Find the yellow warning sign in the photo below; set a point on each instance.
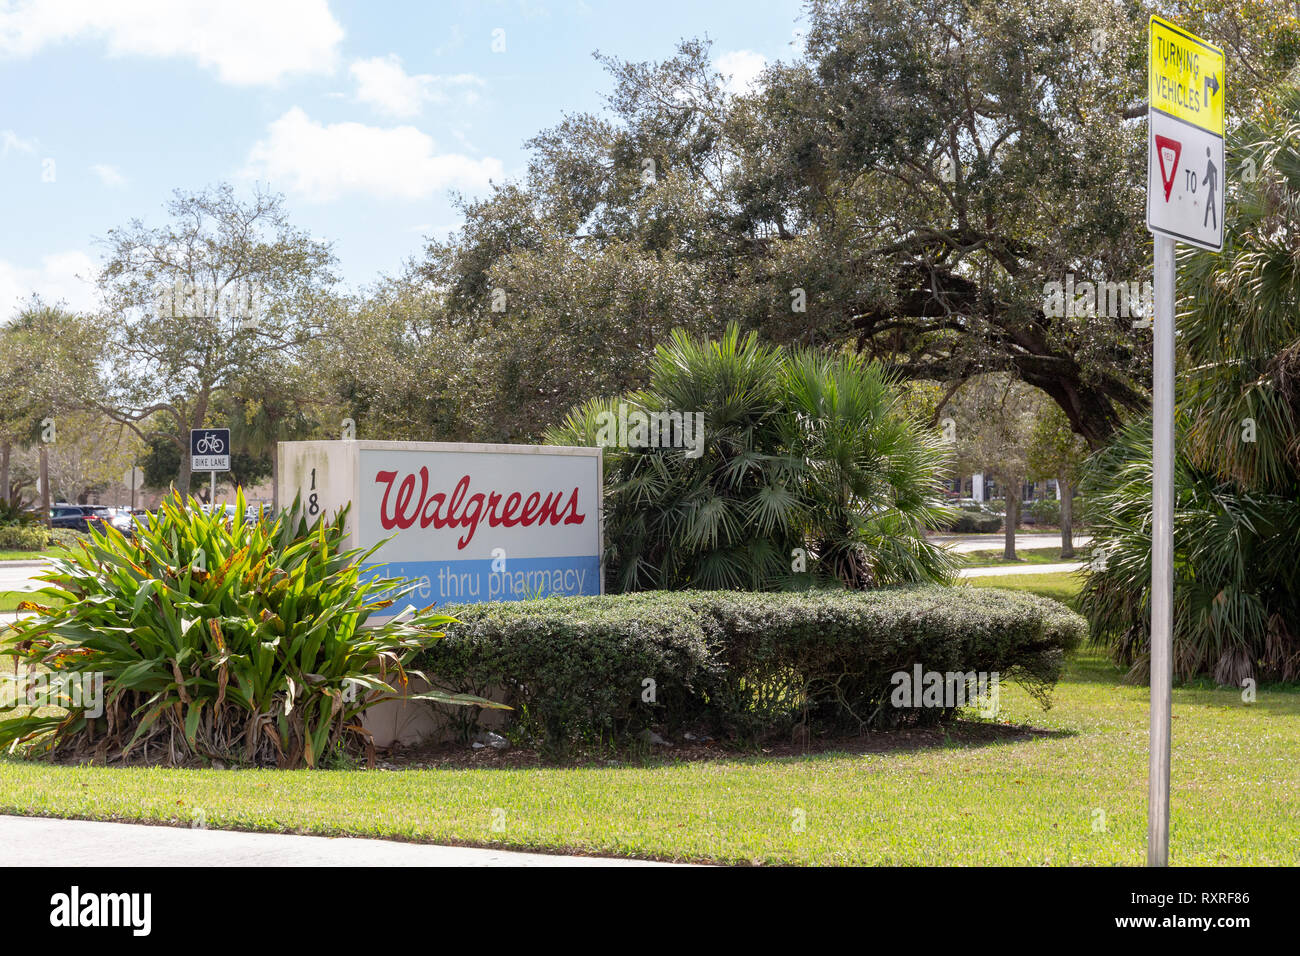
(1187, 79)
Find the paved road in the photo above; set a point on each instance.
(966, 543)
(39, 841)
(1004, 569)
(17, 575)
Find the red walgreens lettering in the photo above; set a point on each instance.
(465, 510)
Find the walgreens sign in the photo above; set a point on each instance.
(469, 522)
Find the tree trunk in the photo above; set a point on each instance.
(1067, 518)
(45, 484)
(275, 474)
(1012, 519)
(5, 449)
(183, 476)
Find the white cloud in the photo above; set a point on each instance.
(247, 42)
(67, 277)
(384, 84)
(322, 162)
(740, 70)
(9, 140)
(110, 176)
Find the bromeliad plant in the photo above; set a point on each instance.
(215, 639)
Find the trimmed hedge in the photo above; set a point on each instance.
(973, 519)
(745, 663)
(35, 537)
(23, 537)
(1047, 511)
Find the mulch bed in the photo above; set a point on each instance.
(957, 734)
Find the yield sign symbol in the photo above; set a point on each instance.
(1168, 150)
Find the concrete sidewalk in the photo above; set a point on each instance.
(19, 575)
(1005, 569)
(966, 543)
(41, 841)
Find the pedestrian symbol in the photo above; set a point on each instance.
(1212, 180)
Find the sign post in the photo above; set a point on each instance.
(210, 452)
(133, 477)
(1185, 203)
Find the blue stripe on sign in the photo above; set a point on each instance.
(474, 581)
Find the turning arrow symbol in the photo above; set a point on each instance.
(1211, 85)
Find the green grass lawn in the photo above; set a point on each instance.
(1075, 794)
(9, 600)
(993, 558)
(1061, 586)
(32, 555)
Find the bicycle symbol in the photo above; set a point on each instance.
(210, 444)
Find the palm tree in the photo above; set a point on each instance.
(872, 477)
(806, 470)
(1237, 583)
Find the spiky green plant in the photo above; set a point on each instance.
(13, 513)
(214, 639)
(1236, 581)
(1237, 519)
(802, 454)
(871, 477)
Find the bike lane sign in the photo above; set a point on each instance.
(210, 449)
(1185, 169)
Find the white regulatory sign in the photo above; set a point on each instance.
(1185, 196)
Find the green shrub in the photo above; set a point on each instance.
(30, 536)
(239, 642)
(574, 668)
(11, 512)
(1043, 512)
(798, 455)
(747, 663)
(1047, 512)
(23, 537)
(1236, 580)
(64, 538)
(973, 519)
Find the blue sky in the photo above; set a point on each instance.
(365, 115)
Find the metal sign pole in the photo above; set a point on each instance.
(1162, 552)
(212, 491)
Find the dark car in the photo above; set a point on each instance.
(67, 516)
(78, 517)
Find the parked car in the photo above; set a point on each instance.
(97, 513)
(121, 519)
(68, 516)
(78, 517)
(142, 518)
